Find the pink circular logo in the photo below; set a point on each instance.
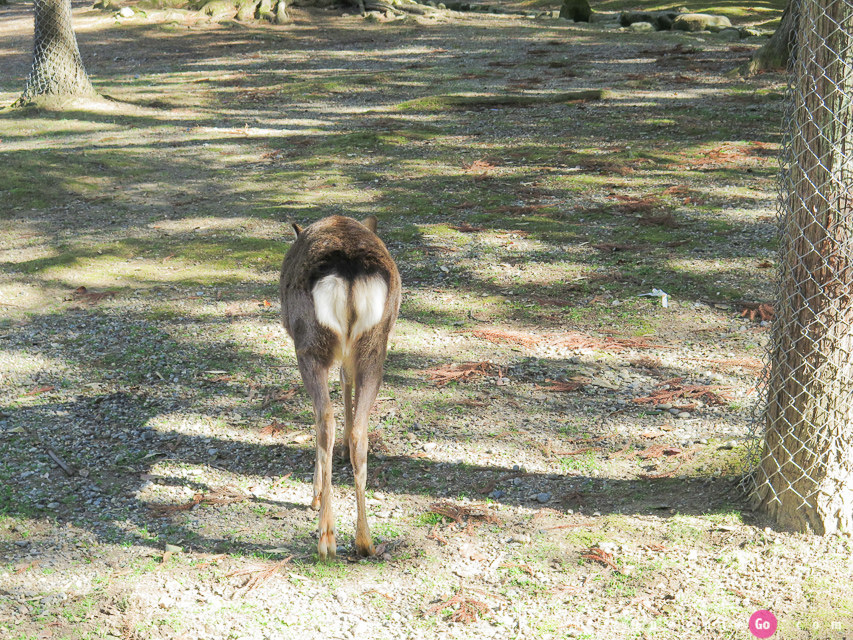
(762, 624)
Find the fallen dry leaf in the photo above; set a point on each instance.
(713, 394)
(563, 387)
(468, 610)
(457, 372)
(762, 312)
(467, 228)
(597, 554)
(39, 390)
(82, 294)
(502, 336)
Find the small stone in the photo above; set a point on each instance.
(748, 32)
(730, 34)
(497, 494)
(683, 414)
(172, 548)
(642, 27)
(664, 407)
(543, 497)
(700, 22)
(126, 12)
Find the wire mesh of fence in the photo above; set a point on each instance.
(57, 67)
(802, 456)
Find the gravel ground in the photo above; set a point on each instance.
(580, 482)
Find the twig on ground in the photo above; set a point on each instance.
(225, 495)
(62, 464)
(576, 452)
(435, 535)
(257, 574)
(458, 512)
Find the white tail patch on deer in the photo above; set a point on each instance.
(332, 302)
(368, 301)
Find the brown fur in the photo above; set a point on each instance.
(349, 249)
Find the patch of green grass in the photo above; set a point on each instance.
(430, 519)
(730, 516)
(385, 530)
(684, 530)
(584, 538)
(586, 462)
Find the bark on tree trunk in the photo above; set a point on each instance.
(805, 478)
(777, 52)
(57, 66)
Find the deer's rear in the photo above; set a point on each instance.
(340, 294)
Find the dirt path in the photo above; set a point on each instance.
(577, 482)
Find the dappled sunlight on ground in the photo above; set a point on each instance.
(528, 375)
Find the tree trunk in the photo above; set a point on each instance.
(805, 477)
(57, 67)
(776, 53)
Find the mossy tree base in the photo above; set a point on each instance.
(776, 53)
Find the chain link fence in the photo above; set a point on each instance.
(802, 456)
(57, 67)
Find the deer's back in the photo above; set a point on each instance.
(335, 245)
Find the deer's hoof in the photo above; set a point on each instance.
(327, 549)
(365, 549)
(315, 503)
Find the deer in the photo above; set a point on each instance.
(340, 296)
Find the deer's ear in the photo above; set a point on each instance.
(296, 228)
(370, 222)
